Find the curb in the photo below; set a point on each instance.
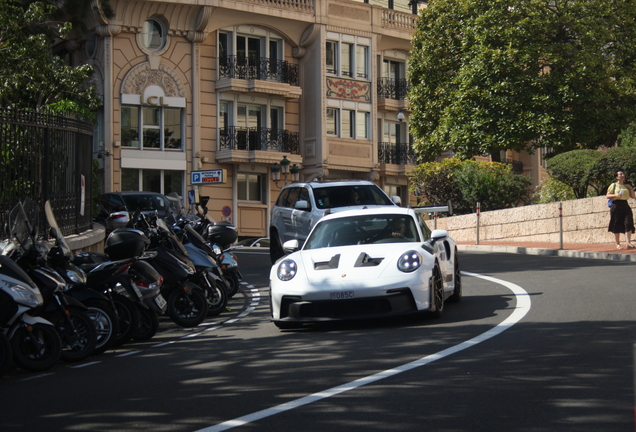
(549, 252)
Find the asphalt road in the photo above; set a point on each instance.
(537, 344)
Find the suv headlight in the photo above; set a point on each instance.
(409, 261)
(287, 270)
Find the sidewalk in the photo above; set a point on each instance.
(572, 250)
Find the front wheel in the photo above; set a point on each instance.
(36, 348)
(216, 298)
(106, 323)
(77, 333)
(128, 318)
(437, 292)
(148, 324)
(457, 279)
(6, 354)
(275, 248)
(232, 278)
(187, 305)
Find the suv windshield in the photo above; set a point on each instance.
(342, 196)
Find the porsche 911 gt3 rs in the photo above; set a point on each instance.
(365, 263)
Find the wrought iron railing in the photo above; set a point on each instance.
(393, 88)
(265, 69)
(258, 138)
(396, 153)
(47, 157)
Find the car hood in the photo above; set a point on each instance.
(336, 264)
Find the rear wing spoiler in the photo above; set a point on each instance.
(448, 208)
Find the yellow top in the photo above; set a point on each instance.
(618, 188)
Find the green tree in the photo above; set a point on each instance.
(466, 183)
(31, 77)
(491, 75)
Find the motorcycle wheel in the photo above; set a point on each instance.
(78, 339)
(128, 319)
(216, 298)
(148, 324)
(232, 278)
(38, 349)
(106, 323)
(187, 305)
(6, 354)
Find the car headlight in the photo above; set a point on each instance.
(287, 270)
(409, 261)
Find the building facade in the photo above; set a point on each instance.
(208, 96)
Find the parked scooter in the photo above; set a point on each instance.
(132, 284)
(99, 308)
(187, 305)
(74, 326)
(35, 344)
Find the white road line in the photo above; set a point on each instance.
(128, 353)
(85, 364)
(37, 376)
(522, 308)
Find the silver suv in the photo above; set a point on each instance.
(300, 205)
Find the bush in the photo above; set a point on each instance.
(552, 190)
(586, 170)
(465, 183)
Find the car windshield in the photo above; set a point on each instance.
(367, 229)
(145, 203)
(342, 196)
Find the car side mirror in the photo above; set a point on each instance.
(302, 205)
(437, 235)
(291, 246)
(397, 200)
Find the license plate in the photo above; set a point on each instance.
(161, 302)
(342, 295)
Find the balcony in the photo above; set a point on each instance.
(263, 76)
(396, 158)
(392, 93)
(257, 145)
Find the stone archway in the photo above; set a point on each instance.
(142, 76)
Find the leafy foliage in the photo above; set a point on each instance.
(466, 183)
(552, 190)
(585, 170)
(30, 76)
(491, 75)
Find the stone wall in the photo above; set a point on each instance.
(584, 221)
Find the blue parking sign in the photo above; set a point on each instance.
(191, 198)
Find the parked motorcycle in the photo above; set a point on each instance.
(35, 344)
(133, 286)
(187, 305)
(98, 306)
(74, 326)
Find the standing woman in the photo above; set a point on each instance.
(621, 217)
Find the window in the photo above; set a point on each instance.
(161, 127)
(331, 48)
(332, 121)
(348, 123)
(347, 59)
(150, 180)
(153, 35)
(258, 55)
(249, 187)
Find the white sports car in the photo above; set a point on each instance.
(365, 263)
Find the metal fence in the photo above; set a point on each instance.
(47, 157)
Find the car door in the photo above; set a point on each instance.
(302, 220)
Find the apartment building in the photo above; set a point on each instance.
(209, 96)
